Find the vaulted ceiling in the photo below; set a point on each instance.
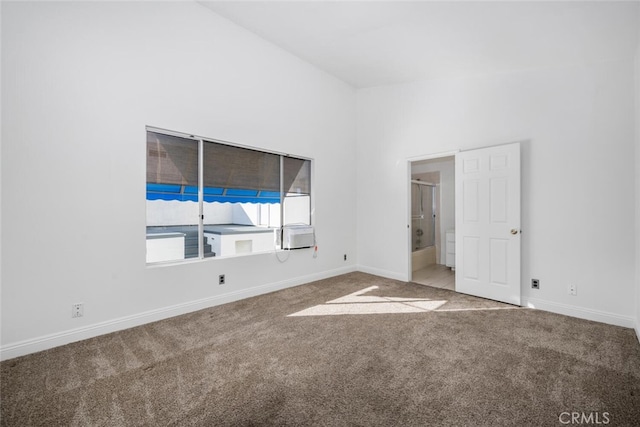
(372, 43)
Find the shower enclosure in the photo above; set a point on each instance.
(423, 215)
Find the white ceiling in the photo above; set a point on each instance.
(371, 43)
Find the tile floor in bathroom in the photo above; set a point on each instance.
(435, 275)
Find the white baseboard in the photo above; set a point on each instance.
(382, 273)
(638, 331)
(22, 348)
(581, 313)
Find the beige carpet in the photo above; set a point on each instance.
(421, 356)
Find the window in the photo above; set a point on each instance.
(207, 198)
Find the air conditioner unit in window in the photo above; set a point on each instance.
(298, 237)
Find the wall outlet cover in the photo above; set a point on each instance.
(77, 310)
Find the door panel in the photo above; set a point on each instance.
(488, 222)
(498, 200)
(471, 267)
(471, 203)
(499, 261)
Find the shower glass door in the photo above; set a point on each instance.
(423, 218)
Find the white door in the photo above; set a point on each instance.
(488, 223)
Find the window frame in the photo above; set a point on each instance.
(278, 245)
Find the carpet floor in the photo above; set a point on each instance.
(354, 350)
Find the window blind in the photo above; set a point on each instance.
(171, 160)
(174, 160)
(226, 166)
(297, 175)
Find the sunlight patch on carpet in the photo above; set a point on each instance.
(356, 303)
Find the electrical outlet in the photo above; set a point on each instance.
(535, 284)
(345, 257)
(573, 289)
(221, 279)
(77, 310)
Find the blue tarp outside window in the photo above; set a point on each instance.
(211, 194)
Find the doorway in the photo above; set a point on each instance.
(432, 184)
(481, 243)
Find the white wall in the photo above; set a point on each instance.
(80, 81)
(637, 193)
(174, 212)
(577, 124)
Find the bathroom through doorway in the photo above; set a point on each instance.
(432, 193)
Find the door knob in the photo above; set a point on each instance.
(514, 231)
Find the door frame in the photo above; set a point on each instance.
(438, 155)
(411, 160)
